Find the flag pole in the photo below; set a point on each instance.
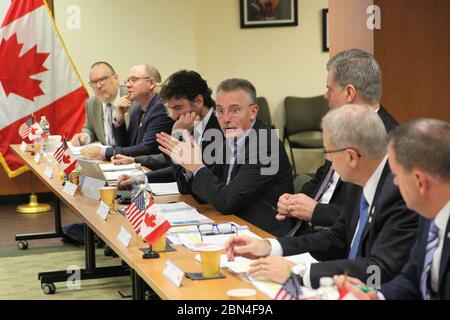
(33, 205)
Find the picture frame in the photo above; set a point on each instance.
(268, 13)
(325, 33)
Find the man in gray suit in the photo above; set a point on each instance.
(100, 108)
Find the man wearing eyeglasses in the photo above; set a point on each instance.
(354, 76)
(145, 121)
(100, 108)
(188, 100)
(374, 232)
(238, 180)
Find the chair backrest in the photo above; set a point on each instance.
(300, 180)
(304, 114)
(264, 111)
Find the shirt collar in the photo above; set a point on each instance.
(113, 102)
(241, 139)
(201, 125)
(441, 219)
(371, 185)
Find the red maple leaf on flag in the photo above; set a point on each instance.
(150, 220)
(16, 72)
(66, 159)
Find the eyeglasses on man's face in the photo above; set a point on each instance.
(99, 82)
(232, 111)
(211, 229)
(133, 80)
(327, 152)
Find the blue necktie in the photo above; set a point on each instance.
(432, 244)
(363, 211)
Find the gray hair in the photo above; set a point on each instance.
(360, 69)
(238, 84)
(152, 72)
(358, 127)
(423, 143)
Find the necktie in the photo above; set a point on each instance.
(432, 244)
(108, 127)
(138, 126)
(323, 187)
(363, 211)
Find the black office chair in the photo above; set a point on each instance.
(302, 129)
(264, 111)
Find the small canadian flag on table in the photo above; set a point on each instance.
(65, 158)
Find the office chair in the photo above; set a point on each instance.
(302, 129)
(264, 111)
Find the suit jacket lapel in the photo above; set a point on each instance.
(445, 253)
(373, 207)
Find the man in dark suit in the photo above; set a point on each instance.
(249, 169)
(419, 153)
(354, 77)
(187, 97)
(375, 229)
(145, 121)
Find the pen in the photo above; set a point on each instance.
(364, 288)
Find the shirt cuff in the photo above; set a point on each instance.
(187, 175)
(306, 278)
(103, 151)
(195, 172)
(88, 138)
(276, 249)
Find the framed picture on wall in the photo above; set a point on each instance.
(325, 34)
(268, 13)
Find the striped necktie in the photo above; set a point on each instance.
(363, 212)
(432, 244)
(323, 187)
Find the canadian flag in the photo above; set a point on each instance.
(36, 132)
(153, 225)
(36, 77)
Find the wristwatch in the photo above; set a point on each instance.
(299, 270)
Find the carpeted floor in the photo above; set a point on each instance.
(18, 276)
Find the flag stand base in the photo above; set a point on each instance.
(33, 206)
(150, 254)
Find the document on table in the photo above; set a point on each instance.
(114, 175)
(180, 213)
(242, 266)
(162, 189)
(116, 167)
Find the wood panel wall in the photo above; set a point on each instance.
(413, 49)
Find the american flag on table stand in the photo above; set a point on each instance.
(291, 289)
(25, 128)
(135, 211)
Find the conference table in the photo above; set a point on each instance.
(143, 272)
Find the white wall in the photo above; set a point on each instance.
(125, 33)
(203, 35)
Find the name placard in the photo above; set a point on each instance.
(23, 146)
(173, 273)
(70, 188)
(103, 210)
(37, 157)
(48, 172)
(124, 237)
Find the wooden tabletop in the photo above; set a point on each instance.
(149, 270)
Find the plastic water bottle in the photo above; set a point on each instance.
(139, 183)
(327, 289)
(45, 125)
